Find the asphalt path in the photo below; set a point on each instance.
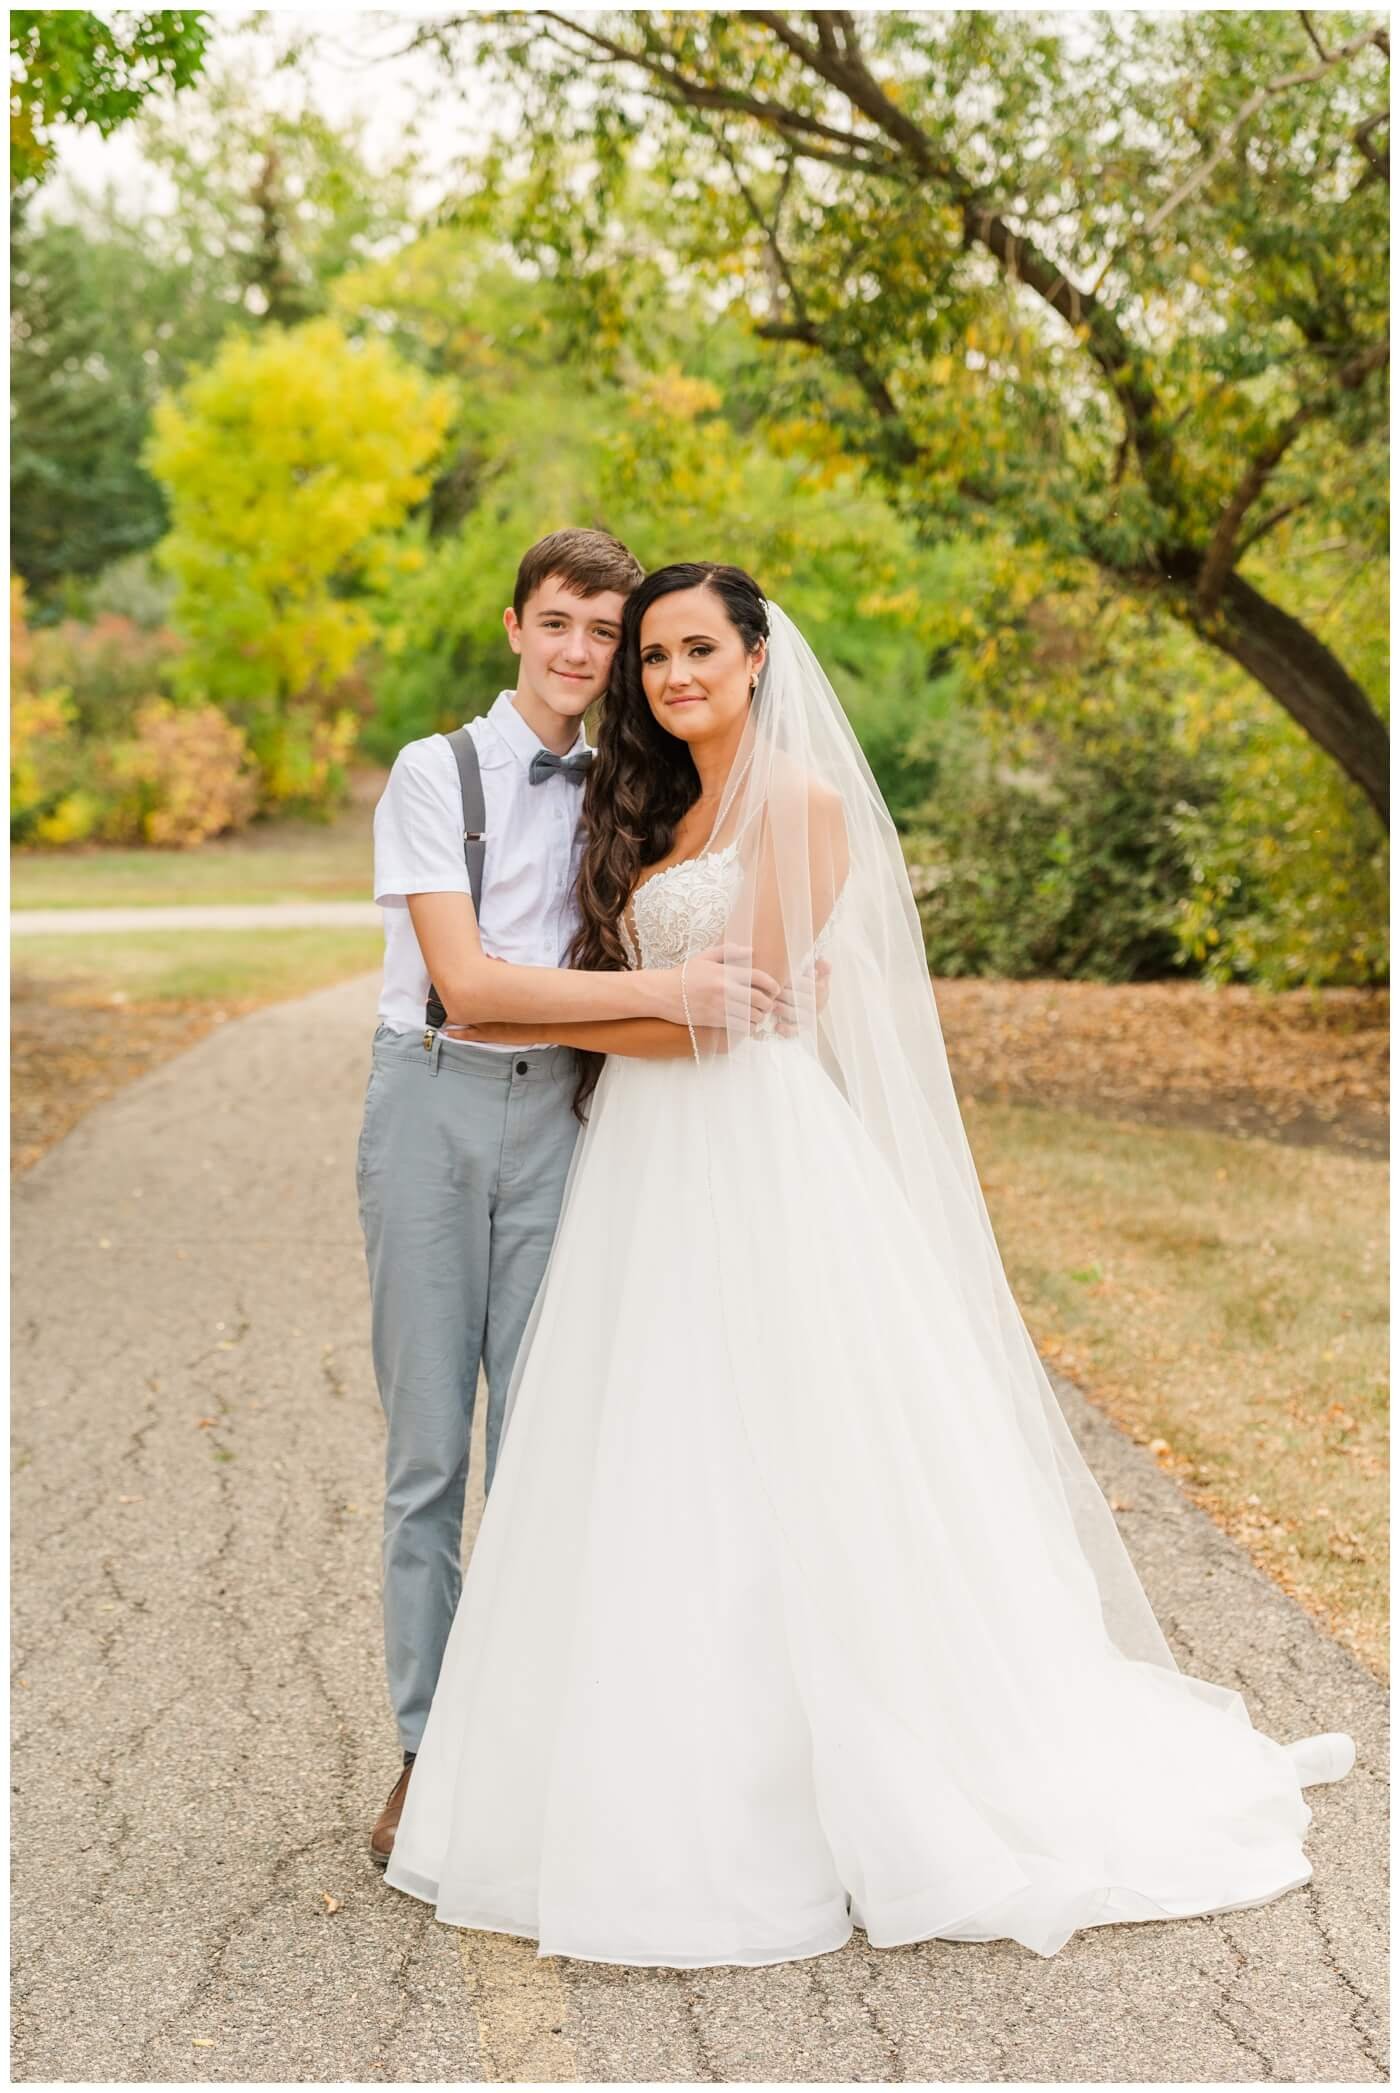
(202, 1736)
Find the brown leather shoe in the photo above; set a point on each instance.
(381, 1839)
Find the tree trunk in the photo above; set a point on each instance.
(1295, 668)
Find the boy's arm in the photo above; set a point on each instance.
(475, 990)
(637, 1038)
(418, 863)
(649, 1039)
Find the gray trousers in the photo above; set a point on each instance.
(461, 1167)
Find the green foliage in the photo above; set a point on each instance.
(290, 466)
(951, 496)
(1038, 856)
(113, 302)
(131, 588)
(1289, 873)
(79, 405)
(1244, 848)
(271, 205)
(1120, 296)
(71, 67)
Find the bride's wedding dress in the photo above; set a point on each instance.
(772, 1628)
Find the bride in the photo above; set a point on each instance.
(794, 1606)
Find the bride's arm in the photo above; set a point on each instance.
(801, 864)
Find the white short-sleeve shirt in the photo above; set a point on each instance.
(528, 913)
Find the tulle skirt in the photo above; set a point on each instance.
(775, 1623)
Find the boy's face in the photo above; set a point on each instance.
(566, 644)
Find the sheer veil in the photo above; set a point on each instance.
(820, 872)
(808, 858)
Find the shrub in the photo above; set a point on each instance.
(1289, 868)
(47, 802)
(109, 668)
(303, 757)
(184, 777)
(1043, 857)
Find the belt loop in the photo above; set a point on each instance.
(434, 1050)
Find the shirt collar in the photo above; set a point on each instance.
(519, 737)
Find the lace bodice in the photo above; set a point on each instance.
(682, 910)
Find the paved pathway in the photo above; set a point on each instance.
(202, 1737)
(260, 915)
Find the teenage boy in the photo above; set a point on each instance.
(465, 1146)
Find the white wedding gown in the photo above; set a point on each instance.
(760, 1637)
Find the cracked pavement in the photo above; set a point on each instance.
(202, 1736)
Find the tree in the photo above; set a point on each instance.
(68, 66)
(289, 466)
(1125, 296)
(78, 414)
(111, 304)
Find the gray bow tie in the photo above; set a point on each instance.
(572, 767)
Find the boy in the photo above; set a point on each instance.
(465, 1146)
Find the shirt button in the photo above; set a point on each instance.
(522, 1068)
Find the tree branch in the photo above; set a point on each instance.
(1379, 161)
(1271, 89)
(780, 276)
(681, 90)
(1222, 552)
(1261, 530)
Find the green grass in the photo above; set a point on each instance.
(214, 966)
(272, 861)
(1225, 1301)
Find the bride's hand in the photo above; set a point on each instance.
(722, 989)
(803, 1002)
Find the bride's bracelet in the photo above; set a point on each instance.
(685, 1006)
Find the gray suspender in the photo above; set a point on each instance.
(463, 747)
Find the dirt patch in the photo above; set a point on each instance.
(1308, 1067)
(70, 1049)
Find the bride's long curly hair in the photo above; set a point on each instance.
(641, 780)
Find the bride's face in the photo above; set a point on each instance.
(696, 671)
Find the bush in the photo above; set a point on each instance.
(184, 777)
(304, 757)
(135, 588)
(47, 803)
(108, 668)
(1289, 867)
(1043, 857)
(178, 775)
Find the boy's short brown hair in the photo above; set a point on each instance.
(589, 561)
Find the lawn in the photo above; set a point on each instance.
(272, 861)
(1225, 1301)
(226, 967)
